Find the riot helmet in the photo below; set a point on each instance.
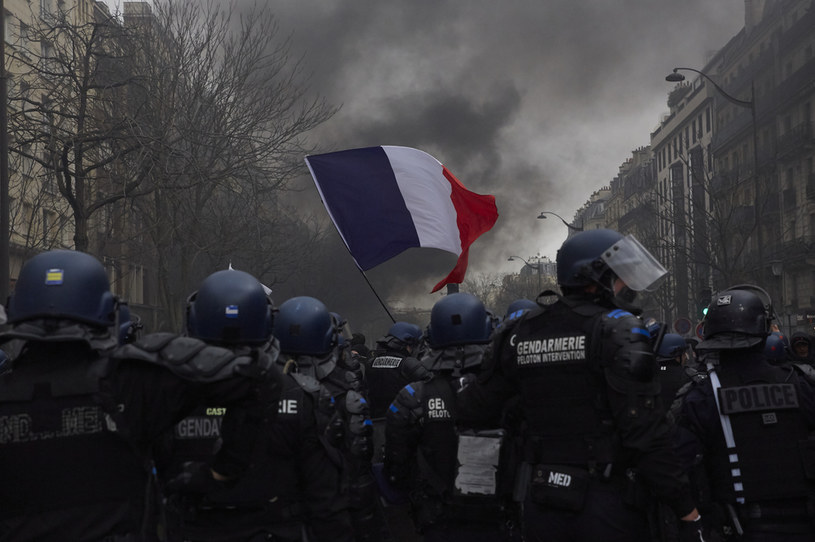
(66, 285)
(459, 319)
(775, 348)
(405, 332)
(230, 308)
(305, 326)
(801, 345)
(598, 256)
(671, 346)
(736, 318)
(520, 305)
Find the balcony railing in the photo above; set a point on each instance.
(795, 140)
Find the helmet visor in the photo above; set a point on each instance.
(634, 264)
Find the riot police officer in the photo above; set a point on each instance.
(393, 365)
(293, 485)
(80, 414)
(515, 308)
(743, 418)
(309, 344)
(448, 470)
(671, 356)
(597, 445)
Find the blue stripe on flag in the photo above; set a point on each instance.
(360, 190)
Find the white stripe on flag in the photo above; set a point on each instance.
(427, 196)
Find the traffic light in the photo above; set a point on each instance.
(703, 301)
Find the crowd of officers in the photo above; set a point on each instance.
(570, 418)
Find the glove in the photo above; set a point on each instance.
(693, 531)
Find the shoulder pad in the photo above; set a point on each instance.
(626, 326)
(805, 370)
(410, 395)
(306, 382)
(411, 369)
(407, 405)
(355, 403)
(189, 358)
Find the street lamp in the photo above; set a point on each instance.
(676, 77)
(5, 227)
(574, 228)
(536, 266)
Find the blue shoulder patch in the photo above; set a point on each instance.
(641, 331)
(516, 314)
(618, 313)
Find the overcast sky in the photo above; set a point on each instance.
(537, 102)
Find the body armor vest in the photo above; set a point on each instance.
(437, 447)
(384, 381)
(768, 428)
(560, 381)
(55, 420)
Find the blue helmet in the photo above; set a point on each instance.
(672, 345)
(408, 333)
(579, 260)
(520, 305)
(597, 256)
(775, 347)
(63, 284)
(230, 308)
(459, 319)
(305, 326)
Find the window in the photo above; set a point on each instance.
(47, 224)
(47, 55)
(707, 119)
(25, 32)
(10, 87)
(46, 8)
(709, 159)
(7, 18)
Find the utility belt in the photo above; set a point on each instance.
(431, 508)
(802, 509)
(565, 486)
(275, 511)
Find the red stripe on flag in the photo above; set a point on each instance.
(475, 215)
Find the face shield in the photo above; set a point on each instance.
(634, 265)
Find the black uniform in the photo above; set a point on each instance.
(758, 458)
(450, 499)
(596, 437)
(389, 370)
(349, 431)
(77, 423)
(672, 376)
(292, 487)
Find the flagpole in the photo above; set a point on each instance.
(371, 286)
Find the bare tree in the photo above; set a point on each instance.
(224, 109)
(170, 136)
(708, 228)
(68, 113)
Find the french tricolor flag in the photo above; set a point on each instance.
(384, 200)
